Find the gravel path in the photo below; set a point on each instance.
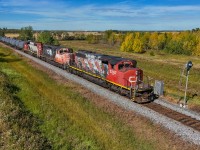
(179, 129)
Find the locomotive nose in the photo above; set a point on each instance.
(133, 76)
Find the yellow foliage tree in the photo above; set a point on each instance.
(161, 41)
(197, 49)
(127, 45)
(138, 46)
(153, 41)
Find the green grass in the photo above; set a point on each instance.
(160, 66)
(19, 128)
(67, 119)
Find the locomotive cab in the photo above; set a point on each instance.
(26, 47)
(124, 72)
(64, 55)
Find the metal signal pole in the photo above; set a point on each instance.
(188, 66)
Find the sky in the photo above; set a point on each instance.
(100, 15)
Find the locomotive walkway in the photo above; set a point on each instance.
(181, 129)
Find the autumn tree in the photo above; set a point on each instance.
(186, 42)
(127, 45)
(107, 35)
(93, 39)
(197, 49)
(153, 41)
(145, 40)
(112, 39)
(162, 38)
(138, 45)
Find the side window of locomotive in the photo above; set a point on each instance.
(112, 66)
(127, 65)
(61, 51)
(70, 50)
(120, 66)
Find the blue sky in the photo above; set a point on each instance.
(100, 14)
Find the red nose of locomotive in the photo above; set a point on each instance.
(133, 76)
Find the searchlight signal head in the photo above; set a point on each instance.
(189, 65)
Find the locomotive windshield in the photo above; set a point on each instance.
(125, 65)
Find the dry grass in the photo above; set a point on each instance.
(12, 35)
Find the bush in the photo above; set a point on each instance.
(152, 53)
(176, 47)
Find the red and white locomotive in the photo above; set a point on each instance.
(117, 73)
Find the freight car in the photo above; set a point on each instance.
(116, 73)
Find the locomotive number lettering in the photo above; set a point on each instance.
(113, 72)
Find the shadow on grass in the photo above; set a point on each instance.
(4, 55)
(8, 60)
(22, 120)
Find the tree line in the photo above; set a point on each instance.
(179, 42)
(185, 42)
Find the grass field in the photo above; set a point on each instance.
(40, 110)
(159, 66)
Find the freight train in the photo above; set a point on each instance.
(118, 74)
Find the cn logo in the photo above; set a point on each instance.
(49, 52)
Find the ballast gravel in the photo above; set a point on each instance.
(177, 108)
(186, 133)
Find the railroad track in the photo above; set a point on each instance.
(182, 118)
